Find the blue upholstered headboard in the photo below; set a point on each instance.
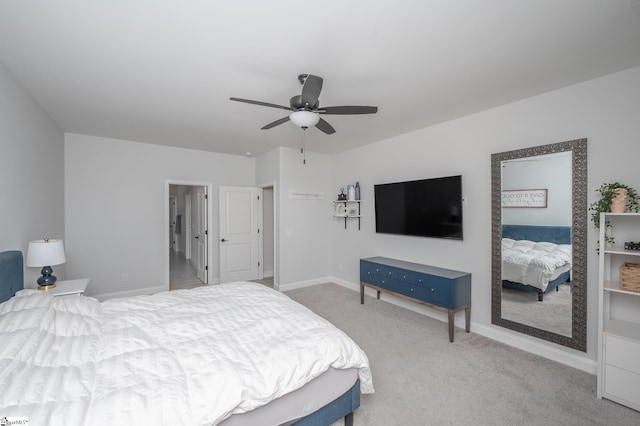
(11, 274)
(552, 234)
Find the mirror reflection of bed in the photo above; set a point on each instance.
(536, 273)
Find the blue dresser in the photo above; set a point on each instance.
(439, 288)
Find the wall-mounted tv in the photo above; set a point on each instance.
(424, 208)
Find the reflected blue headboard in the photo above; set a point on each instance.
(11, 274)
(552, 234)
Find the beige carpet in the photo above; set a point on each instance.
(422, 379)
(552, 314)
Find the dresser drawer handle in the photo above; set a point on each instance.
(411, 289)
(420, 280)
(389, 273)
(432, 290)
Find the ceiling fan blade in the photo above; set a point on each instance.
(311, 90)
(276, 123)
(325, 127)
(347, 110)
(267, 104)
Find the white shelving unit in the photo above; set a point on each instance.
(349, 206)
(618, 315)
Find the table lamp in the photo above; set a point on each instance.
(45, 253)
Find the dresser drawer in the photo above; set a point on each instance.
(408, 277)
(413, 291)
(622, 353)
(440, 292)
(367, 269)
(382, 281)
(412, 277)
(621, 384)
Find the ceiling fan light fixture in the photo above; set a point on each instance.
(304, 118)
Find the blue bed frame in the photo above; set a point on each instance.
(12, 281)
(552, 234)
(343, 406)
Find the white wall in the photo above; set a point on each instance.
(302, 229)
(551, 172)
(115, 204)
(604, 110)
(31, 173)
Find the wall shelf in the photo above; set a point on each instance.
(351, 209)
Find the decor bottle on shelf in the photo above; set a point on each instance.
(351, 192)
(357, 190)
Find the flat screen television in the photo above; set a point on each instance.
(424, 208)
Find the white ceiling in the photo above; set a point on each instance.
(162, 71)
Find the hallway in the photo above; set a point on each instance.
(182, 274)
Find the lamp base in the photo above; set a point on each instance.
(47, 281)
(46, 287)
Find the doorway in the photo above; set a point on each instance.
(188, 237)
(268, 242)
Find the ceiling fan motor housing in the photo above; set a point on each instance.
(296, 102)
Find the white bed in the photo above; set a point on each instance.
(188, 357)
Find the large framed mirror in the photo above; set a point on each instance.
(539, 242)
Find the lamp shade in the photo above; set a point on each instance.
(45, 253)
(304, 118)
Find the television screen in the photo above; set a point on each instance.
(425, 208)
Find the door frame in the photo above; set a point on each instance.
(187, 225)
(209, 186)
(272, 185)
(173, 214)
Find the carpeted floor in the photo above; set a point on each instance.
(422, 379)
(552, 314)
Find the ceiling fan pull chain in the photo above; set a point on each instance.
(302, 151)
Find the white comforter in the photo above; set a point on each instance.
(188, 357)
(534, 264)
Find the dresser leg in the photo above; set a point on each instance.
(467, 319)
(361, 294)
(450, 325)
(378, 294)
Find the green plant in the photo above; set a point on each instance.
(607, 192)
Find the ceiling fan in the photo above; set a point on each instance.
(306, 108)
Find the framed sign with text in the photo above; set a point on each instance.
(536, 198)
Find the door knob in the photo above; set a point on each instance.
(223, 240)
(195, 236)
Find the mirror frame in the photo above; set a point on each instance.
(578, 147)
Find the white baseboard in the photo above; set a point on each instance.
(302, 284)
(267, 274)
(136, 292)
(502, 335)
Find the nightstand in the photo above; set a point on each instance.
(69, 288)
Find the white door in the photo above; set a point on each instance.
(201, 235)
(238, 234)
